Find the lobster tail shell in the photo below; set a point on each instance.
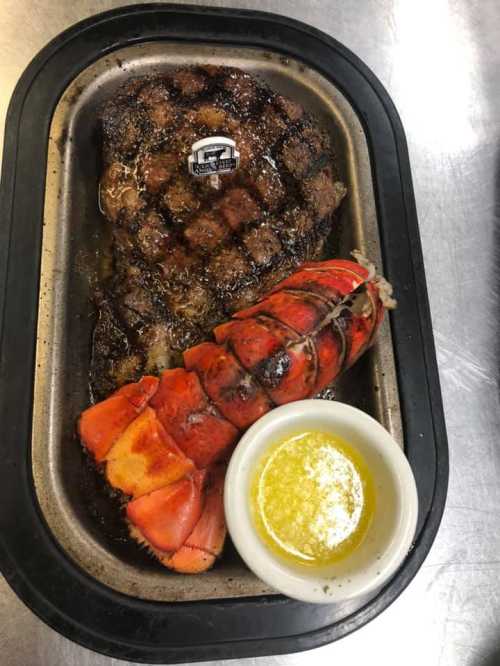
(330, 350)
(186, 413)
(282, 362)
(145, 458)
(206, 541)
(301, 311)
(101, 425)
(166, 517)
(232, 389)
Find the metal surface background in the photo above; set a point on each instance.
(439, 60)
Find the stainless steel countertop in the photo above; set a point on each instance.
(439, 61)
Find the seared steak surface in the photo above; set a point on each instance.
(186, 251)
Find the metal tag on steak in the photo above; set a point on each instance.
(213, 155)
(185, 254)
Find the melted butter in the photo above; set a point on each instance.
(312, 498)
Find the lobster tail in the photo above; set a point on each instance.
(162, 442)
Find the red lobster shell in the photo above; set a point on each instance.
(163, 442)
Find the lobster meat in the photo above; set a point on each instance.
(164, 442)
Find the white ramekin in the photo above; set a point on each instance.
(390, 535)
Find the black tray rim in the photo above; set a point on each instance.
(42, 576)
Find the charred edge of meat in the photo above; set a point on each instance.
(113, 360)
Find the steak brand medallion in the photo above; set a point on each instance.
(213, 155)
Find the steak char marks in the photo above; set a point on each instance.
(187, 254)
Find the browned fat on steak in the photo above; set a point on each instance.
(187, 251)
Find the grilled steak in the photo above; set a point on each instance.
(188, 251)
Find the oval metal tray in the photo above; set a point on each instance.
(74, 233)
(57, 553)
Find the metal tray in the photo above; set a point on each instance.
(74, 233)
(62, 548)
